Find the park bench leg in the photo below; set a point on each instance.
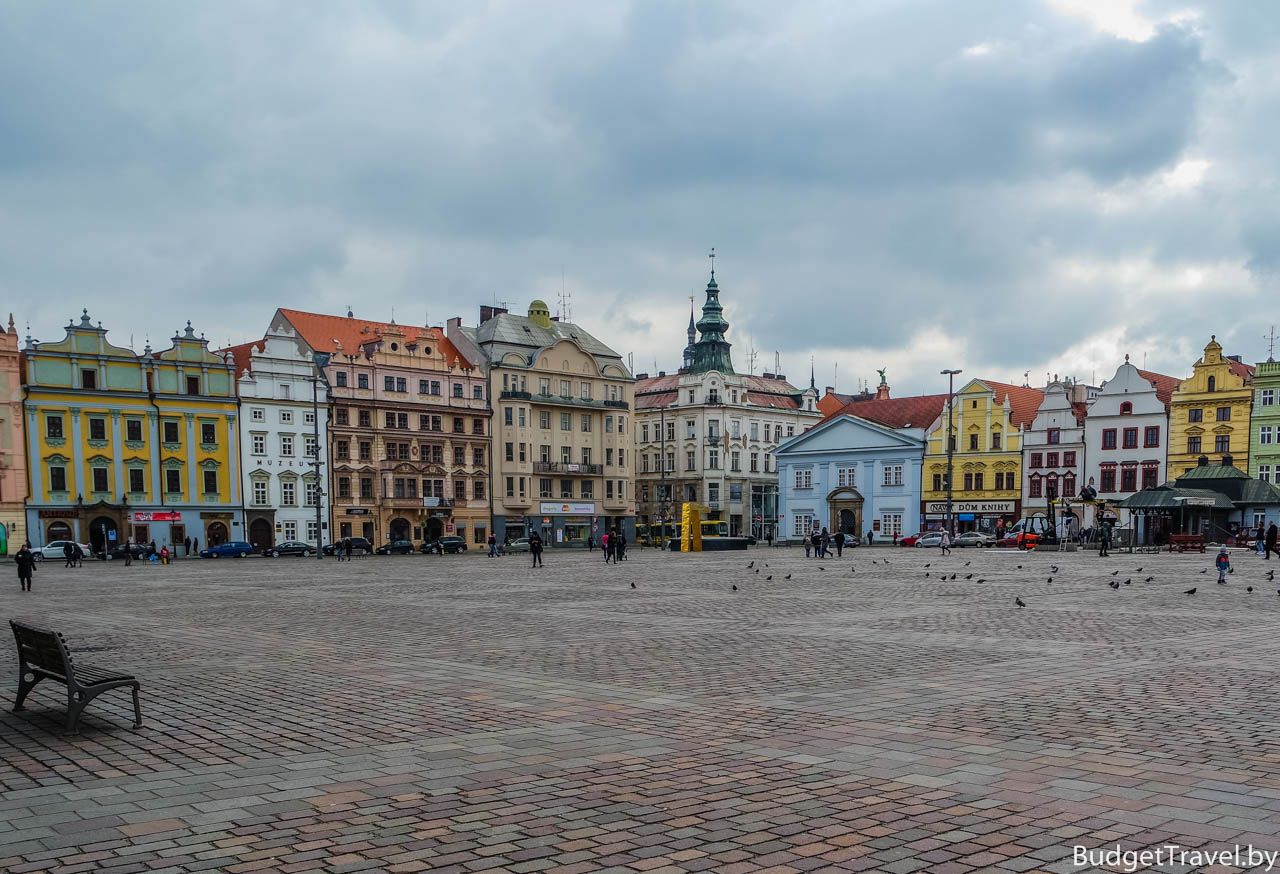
(75, 706)
(137, 708)
(24, 688)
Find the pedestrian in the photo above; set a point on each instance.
(1260, 541)
(1223, 564)
(26, 560)
(591, 543)
(535, 548)
(815, 541)
(128, 552)
(825, 543)
(164, 554)
(946, 542)
(1104, 540)
(78, 556)
(871, 536)
(839, 543)
(606, 542)
(186, 546)
(1270, 541)
(195, 544)
(151, 549)
(620, 547)
(805, 540)
(768, 538)
(69, 553)
(493, 545)
(350, 548)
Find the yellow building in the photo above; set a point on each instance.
(121, 445)
(988, 421)
(1209, 413)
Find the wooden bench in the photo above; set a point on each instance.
(1183, 542)
(42, 654)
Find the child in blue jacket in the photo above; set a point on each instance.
(1223, 564)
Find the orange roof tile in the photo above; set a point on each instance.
(919, 411)
(339, 334)
(1024, 401)
(242, 355)
(1164, 385)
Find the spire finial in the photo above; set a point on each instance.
(712, 256)
(1270, 338)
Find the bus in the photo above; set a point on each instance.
(710, 528)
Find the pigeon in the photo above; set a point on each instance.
(886, 561)
(821, 568)
(926, 575)
(1054, 568)
(1019, 567)
(1018, 601)
(1050, 580)
(1231, 570)
(981, 581)
(1249, 589)
(787, 577)
(633, 585)
(757, 570)
(750, 566)
(1271, 575)
(735, 588)
(1113, 584)
(1148, 579)
(1139, 570)
(1190, 591)
(1204, 570)
(968, 576)
(929, 564)
(967, 563)
(953, 576)
(1115, 573)
(769, 577)
(1128, 581)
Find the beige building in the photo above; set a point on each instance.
(13, 459)
(563, 445)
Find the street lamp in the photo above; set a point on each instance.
(321, 361)
(951, 441)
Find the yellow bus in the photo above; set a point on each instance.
(673, 530)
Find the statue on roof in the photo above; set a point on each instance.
(881, 371)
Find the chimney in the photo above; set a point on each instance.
(831, 389)
(488, 312)
(640, 376)
(882, 392)
(1202, 461)
(1235, 358)
(662, 373)
(1228, 461)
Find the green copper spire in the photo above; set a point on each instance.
(711, 352)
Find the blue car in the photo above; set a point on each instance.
(230, 549)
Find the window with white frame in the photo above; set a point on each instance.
(290, 530)
(312, 493)
(804, 479)
(259, 444)
(260, 493)
(258, 414)
(893, 474)
(1264, 472)
(846, 475)
(891, 524)
(1264, 434)
(802, 524)
(286, 444)
(311, 530)
(1267, 397)
(286, 417)
(288, 493)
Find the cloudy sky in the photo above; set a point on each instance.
(999, 186)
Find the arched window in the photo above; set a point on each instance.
(1213, 383)
(1126, 408)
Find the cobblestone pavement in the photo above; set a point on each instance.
(465, 714)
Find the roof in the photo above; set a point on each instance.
(1240, 369)
(521, 332)
(242, 355)
(1213, 471)
(655, 400)
(343, 334)
(1231, 482)
(1024, 401)
(1164, 385)
(1170, 497)
(919, 411)
(831, 403)
(663, 391)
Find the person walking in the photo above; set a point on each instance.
(591, 543)
(946, 542)
(349, 548)
(871, 536)
(26, 561)
(69, 553)
(128, 552)
(186, 546)
(826, 543)
(807, 546)
(620, 548)
(815, 541)
(1269, 541)
(77, 556)
(535, 548)
(493, 545)
(1104, 540)
(839, 543)
(606, 546)
(1223, 564)
(195, 545)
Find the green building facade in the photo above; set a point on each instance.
(1264, 428)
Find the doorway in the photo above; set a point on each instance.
(215, 534)
(100, 531)
(57, 531)
(399, 529)
(261, 533)
(845, 511)
(435, 528)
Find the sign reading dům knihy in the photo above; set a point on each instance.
(970, 507)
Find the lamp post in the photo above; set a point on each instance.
(951, 442)
(320, 360)
(662, 481)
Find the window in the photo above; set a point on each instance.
(1126, 408)
(1151, 436)
(402, 384)
(459, 456)
(1224, 414)
(713, 459)
(508, 416)
(566, 488)
(588, 490)
(341, 416)
(1267, 397)
(286, 444)
(890, 525)
(133, 430)
(258, 414)
(477, 393)
(608, 456)
(1037, 459)
(1264, 434)
(260, 492)
(893, 474)
(1150, 475)
(1264, 472)
(1222, 443)
(136, 484)
(457, 390)
(477, 489)
(755, 462)
(259, 443)
(88, 378)
(510, 451)
(1195, 414)
(364, 419)
(53, 427)
(388, 383)
(309, 446)
(566, 421)
(735, 461)
(968, 482)
(544, 488)
(995, 440)
(193, 385)
(340, 379)
(937, 482)
(586, 422)
(284, 391)
(459, 490)
(286, 417)
(608, 424)
(584, 390)
(1129, 479)
(477, 456)
(1108, 438)
(544, 420)
(57, 478)
(366, 488)
(1068, 459)
(973, 442)
(362, 380)
(312, 531)
(208, 433)
(459, 427)
(171, 432)
(804, 479)
(1055, 436)
(97, 429)
(173, 481)
(1193, 444)
(1069, 484)
(364, 450)
(288, 493)
(1213, 383)
(1130, 438)
(846, 476)
(1035, 488)
(1108, 480)
(100, 479)
(801, 525)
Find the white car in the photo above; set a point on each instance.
(54, 550)
(933, 539)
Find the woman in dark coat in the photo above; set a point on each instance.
(26, 560)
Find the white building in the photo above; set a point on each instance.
(1126, 433)
(279, 439)
(1053, 449)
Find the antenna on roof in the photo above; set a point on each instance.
(566, 300)
(751, 360)
(350, 315)
(1271, 344)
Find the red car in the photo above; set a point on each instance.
(910, 541)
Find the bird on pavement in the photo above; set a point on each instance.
(769, 577)
(1018, 601)
(1249, 589)
(821, 568)
(926, 575)
(1139, 570)
(1050, 580)
(1190, 591)
(750, 566)
(981, 580)
(968, 576)
(1271, 575)
(1148, 579)
(1128, 581)
(967, 563)
(735, 588)
(1113, 584)
(1019, 567)
(633, 585)
(1115, 573)
(787, 577)
(1204, 570)
(1054, 568)
(929, 564)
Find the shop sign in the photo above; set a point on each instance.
(972, 506)
(142, 516)
(357, 511)
(566, 509)
(57, 514)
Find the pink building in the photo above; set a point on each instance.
(13, 465)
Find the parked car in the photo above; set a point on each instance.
(932, 539)
(230, 549)
(395, 547)
(520, 544)
(53, 549)
(910, 540)
(451, 544)
(975, 538)
(117, 550)
(289, 547)
(359, 546)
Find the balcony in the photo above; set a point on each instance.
(515, 396)
(617, 405)
(583, 403)
(566, 468)
(713, 439)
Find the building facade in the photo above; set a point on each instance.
(121, 445)
(1126, 434)
(988, 423)
(284, 432)
(408, 429)
(1264, 423)
(563, 446)
(13, 457)
(708, 434)
(1053, 449)
(1209, 413)
(853, 474)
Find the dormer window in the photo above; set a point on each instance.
(1126, 408)
(88, 378)
(193, 385)
(1213, 383)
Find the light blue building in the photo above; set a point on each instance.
(858, 470)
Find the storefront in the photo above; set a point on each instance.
(572, 525)
(356, 522)
(991, 517)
